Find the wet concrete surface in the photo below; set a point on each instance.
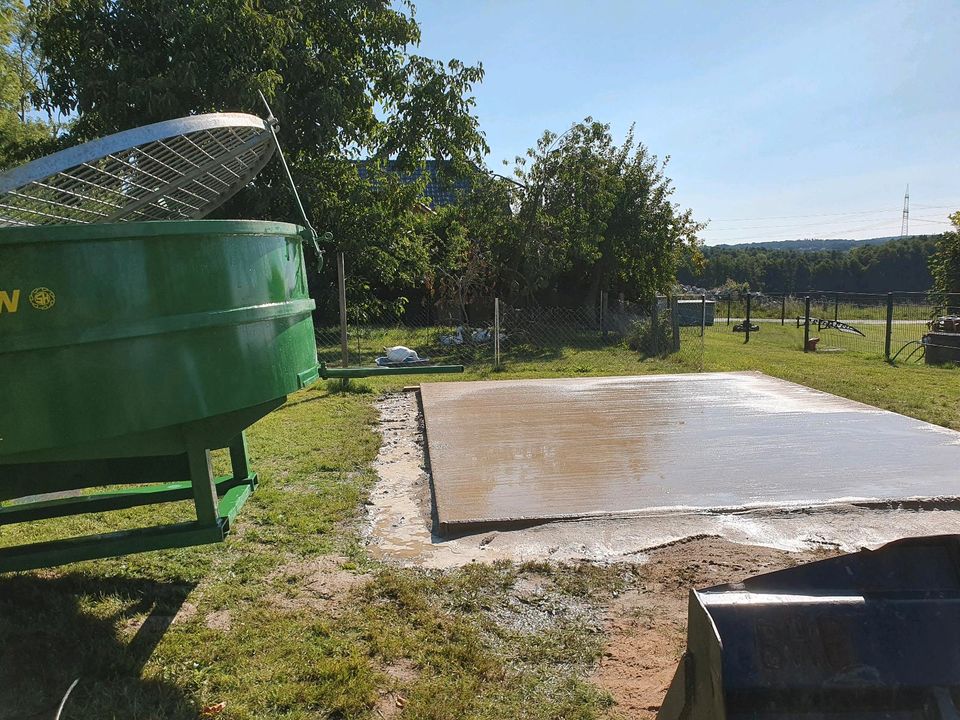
(400, 528)
(505, 453)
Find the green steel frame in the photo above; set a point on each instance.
(216, 501)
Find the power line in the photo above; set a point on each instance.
(807, 236)
(837, 214)
(787, 217)
(795, 225)
(826, 233)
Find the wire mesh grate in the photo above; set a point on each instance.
(175, 170)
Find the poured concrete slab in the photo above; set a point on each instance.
(507, 453)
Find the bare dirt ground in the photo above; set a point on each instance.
(645, 626)
(319, 584)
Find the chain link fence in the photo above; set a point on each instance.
(614, 336)
(611, 335)
(894, 326)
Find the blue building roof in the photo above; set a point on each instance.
(440, 190)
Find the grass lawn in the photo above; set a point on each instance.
(291, 619)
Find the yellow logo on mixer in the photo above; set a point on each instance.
(42, 298)
(9, 301)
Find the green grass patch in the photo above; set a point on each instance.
(146, 634)
(161, 635)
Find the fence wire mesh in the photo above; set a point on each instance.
(889, 325)
(553, 339)
(615, 336)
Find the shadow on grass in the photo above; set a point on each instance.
(54, 630)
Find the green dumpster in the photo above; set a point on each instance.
(131, 350)
(136, 337)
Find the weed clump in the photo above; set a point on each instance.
(651, 337)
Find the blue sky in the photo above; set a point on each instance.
(782, 119)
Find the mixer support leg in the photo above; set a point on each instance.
(204, 489)
(238, 457)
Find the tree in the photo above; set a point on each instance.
(372, 221)
(595, 216)
(733, 289)
(945, 262)
(22, 135)
(580, 214)
(338, 74)
(900, 264)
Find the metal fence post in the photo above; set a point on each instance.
(675, 322)
(806, 323)
(496, 333)
(703, 327)
(746, 323)
(886, 342)
(703, 314)
(836, 306)
(728, 309)
(783, 309)
(655, 327)
(342, 288)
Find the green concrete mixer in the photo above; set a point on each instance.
(135, 337)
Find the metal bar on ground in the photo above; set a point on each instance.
(110, 501)
(362, 372)
(92, 547)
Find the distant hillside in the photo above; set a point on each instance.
(870, 266)
(812, 244)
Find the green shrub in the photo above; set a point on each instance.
(650, 337)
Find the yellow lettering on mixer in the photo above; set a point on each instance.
(9, 301)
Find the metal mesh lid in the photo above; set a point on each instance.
(174, 170)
